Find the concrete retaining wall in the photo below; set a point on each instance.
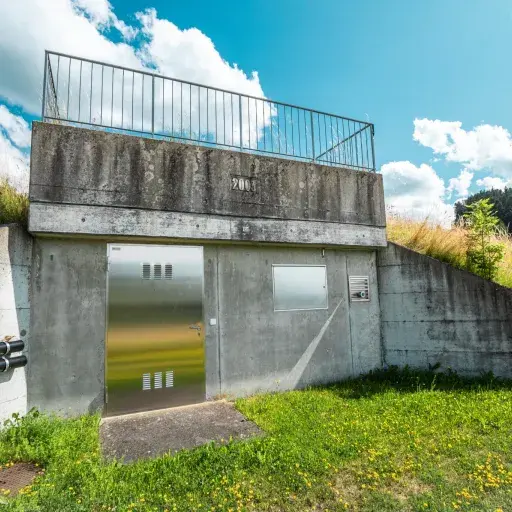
(15, 266)
(432, 313)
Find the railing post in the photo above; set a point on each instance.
(240, 119)
(153, 104)
(44, 84)
(373, 147)
(312, 135)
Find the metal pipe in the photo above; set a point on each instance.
(312, 136)
(7, 363)
(8, 347)
(46, 59)
(345, 140)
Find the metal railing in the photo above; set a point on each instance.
(100, 95)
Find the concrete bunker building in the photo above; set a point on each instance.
(190, 242)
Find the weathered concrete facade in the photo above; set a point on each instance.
(224, 194)
(250, 349)
(259, 349)
(15, 270)
(248, 212)
(90, 188)
(433, 313)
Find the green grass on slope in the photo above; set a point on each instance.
(389, 441)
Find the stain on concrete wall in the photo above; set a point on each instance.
(432, 313)
(259, 349)
(67, 344)
(89, 167)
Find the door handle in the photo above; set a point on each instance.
(196, 327)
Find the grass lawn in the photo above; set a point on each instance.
(389, 441)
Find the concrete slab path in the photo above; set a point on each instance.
(150, 434)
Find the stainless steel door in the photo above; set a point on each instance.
(155, 332)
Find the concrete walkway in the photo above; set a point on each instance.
(154, 433)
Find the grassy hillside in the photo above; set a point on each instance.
(391, 441)
(13, 204)
(448, 245)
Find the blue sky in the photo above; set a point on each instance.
(392, 61)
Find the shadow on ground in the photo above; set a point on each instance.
(408, 380)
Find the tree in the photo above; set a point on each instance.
(502, 200)
(483, 256)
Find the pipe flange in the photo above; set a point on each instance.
(7, 365)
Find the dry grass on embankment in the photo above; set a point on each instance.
(13, 204)
(448, 245)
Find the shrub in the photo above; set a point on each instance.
(483, 255)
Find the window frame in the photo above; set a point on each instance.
(307, 265)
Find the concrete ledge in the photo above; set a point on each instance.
(105, 221)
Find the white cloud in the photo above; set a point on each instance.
(100, 13)
(15, 127)
(491, 182)
(483, 147)
(419, 192)
(80, 27)
(191, 55)
(14, 162)
(415, 192)
(461, 184)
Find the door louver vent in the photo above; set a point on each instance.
(156, 271)
(359, 288)
(156, 381)
(146, 270)
(146, 381)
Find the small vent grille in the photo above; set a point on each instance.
(146, 381)
(359, 288)
(146, 270)
(158, 380)
(157, 271)
(169, 379)
(168, 271)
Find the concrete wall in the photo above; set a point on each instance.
(15, 262)
(257, 349)
(432, 313)
(89, 168)
(251, 349)
(66, 367)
